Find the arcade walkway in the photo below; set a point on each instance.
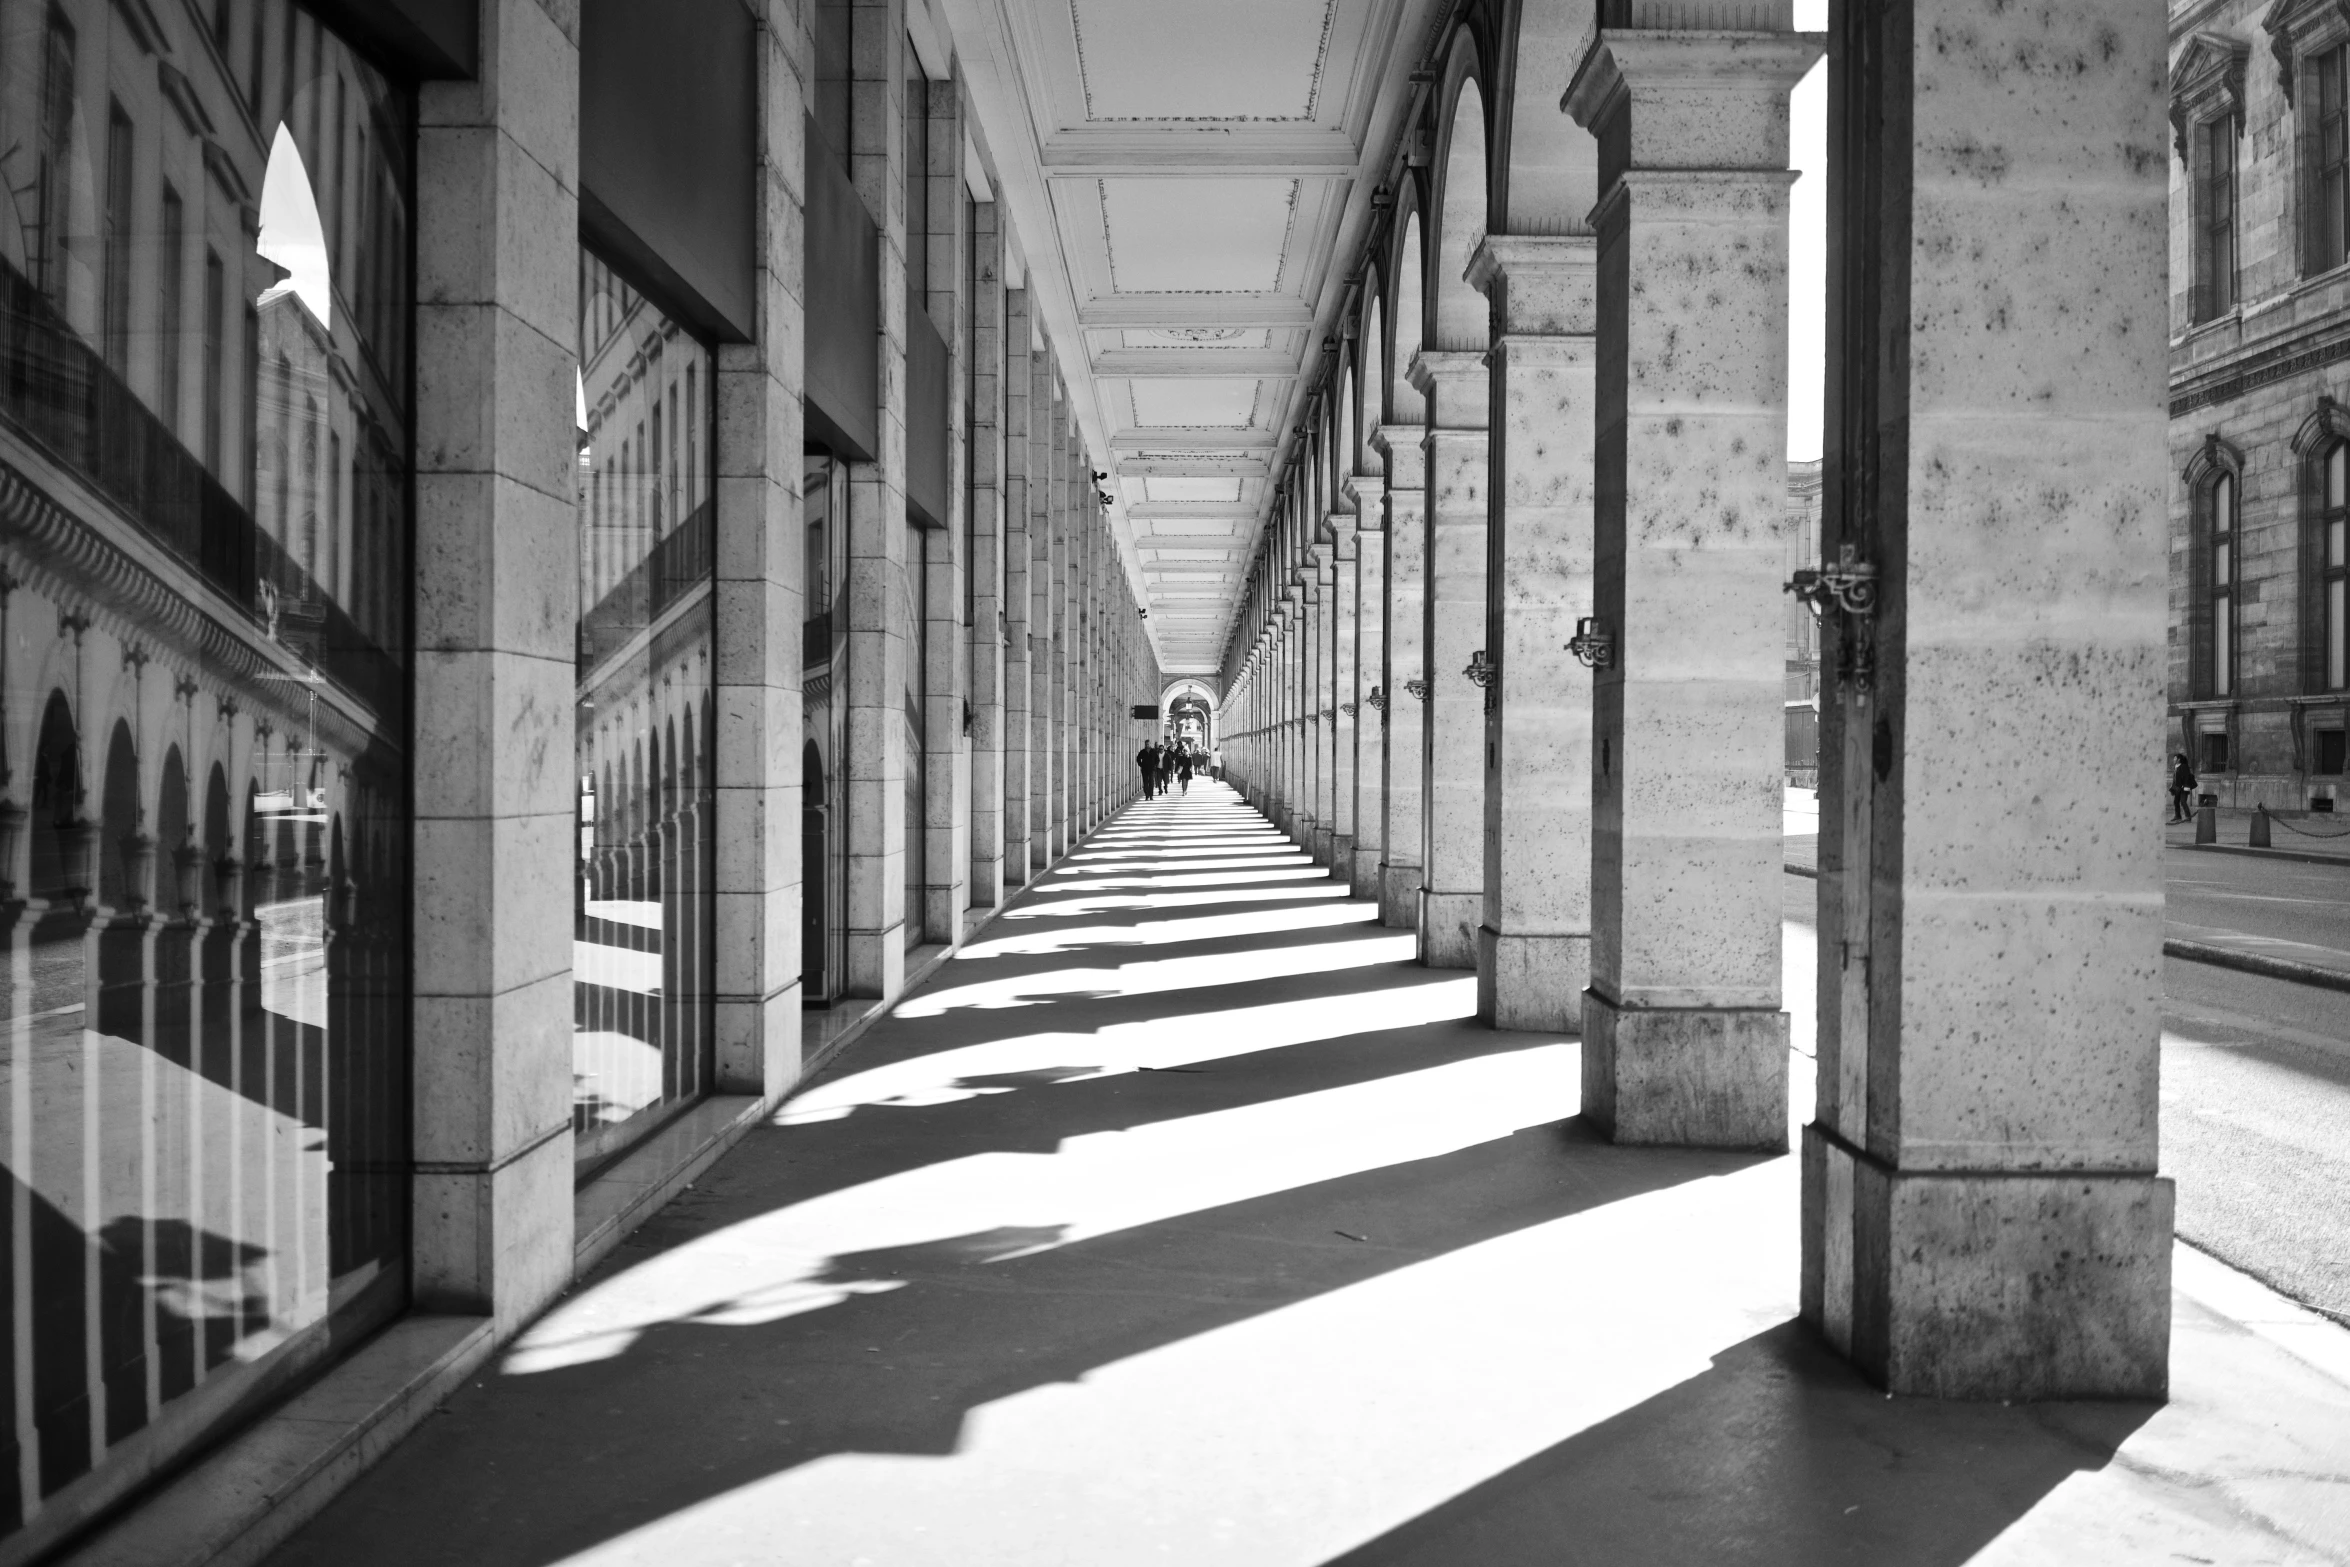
(1182, 1219)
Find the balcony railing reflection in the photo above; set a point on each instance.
(56, 390)
(681, 561)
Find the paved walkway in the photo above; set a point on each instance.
(1181, 1219)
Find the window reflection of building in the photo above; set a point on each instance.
(203, 726)
(824, 699)
(641, 957)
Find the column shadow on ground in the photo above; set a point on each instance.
(1780, 1455)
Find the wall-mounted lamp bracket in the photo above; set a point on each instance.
(1593, 647)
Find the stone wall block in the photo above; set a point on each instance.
(512, 587)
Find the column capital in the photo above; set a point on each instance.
(1457, 385)
(1368, 491)
(1703, 99)
(1540, 284)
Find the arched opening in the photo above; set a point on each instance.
(178, 863)
(1460, 312)
(59, 870)
(1374, 353)
(1403, 399)
(119, 885)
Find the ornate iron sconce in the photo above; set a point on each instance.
(1485, 674)
(1348, 708)
(1377, 698)
(1418, 688)
(1593, 647)
(1851, 585)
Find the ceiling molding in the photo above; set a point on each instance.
(1222, 363)
(1157, 310)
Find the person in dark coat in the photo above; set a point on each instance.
(1183, 767)
(1147, 759)
(2182, 788)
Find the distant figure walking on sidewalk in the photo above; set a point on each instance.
(2182, 788)
(1148, 760)
(1183, 768)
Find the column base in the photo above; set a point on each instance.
(1365, 880)
(1532, 982)
(877, 962)
(1691, 1077)
(1342, 856)
(1399, 897)
(1321, 844)
(1963, 1284)
(1448, 928)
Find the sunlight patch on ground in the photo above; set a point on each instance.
(1211, 879)
(1001, 1066)
(1153, 933)
(993, 1206)
(1071, 902)
(1293, 1436)
(1156, 862)
(1158, 975)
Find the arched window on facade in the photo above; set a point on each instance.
(2214, 482)
(2331, 548)
(2220, 578)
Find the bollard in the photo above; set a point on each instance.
(2207, 822)
(2260, 827)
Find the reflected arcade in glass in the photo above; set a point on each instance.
(205, 300)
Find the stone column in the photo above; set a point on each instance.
(497, 525)
(760, 609)
(1344, 702)
(1534, 947)
(989, 488)
(1370, 810)
(1456, 385)
(1684, 1041)
(881, 634)
(1321, 698)
(1404, 678)
(1056, 587)
(1041, 489)
(1019, 376)
(946, 758)
(1981, 1212)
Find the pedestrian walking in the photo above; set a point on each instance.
(1216, 764)
(1147, 760)
(2182, 788)
(1183, 768)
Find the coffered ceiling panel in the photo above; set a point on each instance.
(1197, 404)
(1161, 489)
(1180, 175)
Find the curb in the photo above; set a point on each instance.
(2254, 963)
(2299, 856)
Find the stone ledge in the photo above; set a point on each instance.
(240, 1504)
(633, 1187)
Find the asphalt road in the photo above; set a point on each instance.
(2283, 900)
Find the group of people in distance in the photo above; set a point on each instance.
(1166, 764)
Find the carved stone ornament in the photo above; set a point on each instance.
(2206, 84)
(2296, 30)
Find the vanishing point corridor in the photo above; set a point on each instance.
(1180, 1217)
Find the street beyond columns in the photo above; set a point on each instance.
(1182, 1218)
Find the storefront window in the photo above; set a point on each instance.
(205, 301)
(641, 960)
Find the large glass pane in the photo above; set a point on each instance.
(2223, 651)
(643, 893)
(204, 512)
(2337, 635)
